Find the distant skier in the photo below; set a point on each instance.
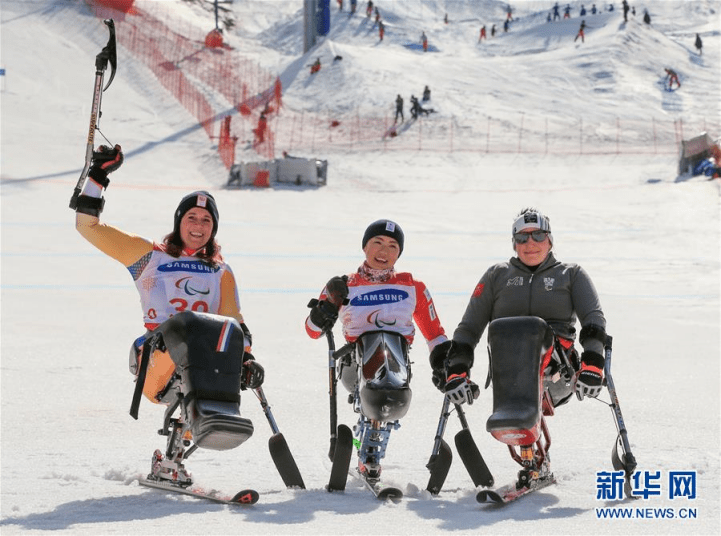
(567, 12)
(580, 32)
(583, 11)
(445, 18)
(672, 77)
(340, 5)
(369, 9)
(315, 67)
(424, 42)
(509, 13)
(625, 10)
(426, 94)
(353, 5)
(610, 7)
(381, 29)
(483, 34)
(698, 44)
(506, 25)
(646, 17)
(593, 9)
(399, 109)
(493, 31)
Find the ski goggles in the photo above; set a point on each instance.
(522, 238)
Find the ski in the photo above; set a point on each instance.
(244, 497)
(510, 493)
(342, 454)
(379, 489)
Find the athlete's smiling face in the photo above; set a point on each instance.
(196, 228)
(382, 252)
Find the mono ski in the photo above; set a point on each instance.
(244, 497)
(510, 492)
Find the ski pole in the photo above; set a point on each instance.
(333, 387)
(626, 460)
(279, 450)
(106, 55)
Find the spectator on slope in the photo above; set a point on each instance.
(426, 94)
(483, 34)
(698, 44)
(583, 11)
(260, 129)
(593, 9)
(556, 14)
(399, 109)
(567, 12)
(625, 10)
(493, 31)
(646, 17)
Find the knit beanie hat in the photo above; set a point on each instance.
(385, 228)
(200, 199)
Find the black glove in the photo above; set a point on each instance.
(105, 161)
(252, 373)
(589, 380)
(438, 364)
(323, 314)
(337, 290)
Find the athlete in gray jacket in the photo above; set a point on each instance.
(534, 283)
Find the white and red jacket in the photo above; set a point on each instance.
(391, 305)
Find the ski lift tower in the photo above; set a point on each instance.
(316, 21)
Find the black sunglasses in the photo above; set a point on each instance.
(538, 236)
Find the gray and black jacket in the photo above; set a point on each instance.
(560, 293)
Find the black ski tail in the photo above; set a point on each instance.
(342, 454)
(472, 459)
(279, 450)
(469, 453)
(284, 462)
(439, 464)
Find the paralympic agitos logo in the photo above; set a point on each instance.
(184, 284)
